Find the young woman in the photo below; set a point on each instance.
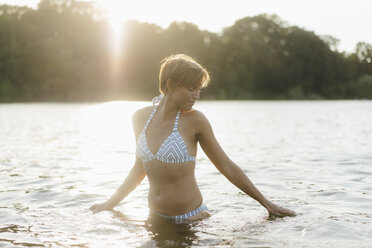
(167, 135)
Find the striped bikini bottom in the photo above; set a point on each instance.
(183, 217)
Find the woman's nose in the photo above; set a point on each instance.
(196, 94)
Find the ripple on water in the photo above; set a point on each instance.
(297, 153)
(16, 230)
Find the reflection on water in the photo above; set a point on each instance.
(169, 233)
(56, 160)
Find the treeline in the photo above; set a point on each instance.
(65, 50)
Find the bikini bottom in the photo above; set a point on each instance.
(183, 217)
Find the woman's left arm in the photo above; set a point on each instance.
(230, 170)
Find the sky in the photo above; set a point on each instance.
(350, 21)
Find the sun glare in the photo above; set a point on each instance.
(116, 25)
(116, 18)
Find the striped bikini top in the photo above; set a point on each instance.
(173, 149)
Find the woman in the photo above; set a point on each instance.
(167, 135)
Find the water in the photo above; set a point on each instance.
(56, 160)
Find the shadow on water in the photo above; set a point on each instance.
(165, 233)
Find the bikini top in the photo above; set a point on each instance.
(173, 149)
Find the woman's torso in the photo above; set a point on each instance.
(173, 188)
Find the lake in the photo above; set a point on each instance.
(314, 157)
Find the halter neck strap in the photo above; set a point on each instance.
(175, 128)
(152, 115)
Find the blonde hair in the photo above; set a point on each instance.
(182, 70)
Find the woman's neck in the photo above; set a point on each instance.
(167, 109)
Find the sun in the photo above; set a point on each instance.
(116, 20)
(116, 15)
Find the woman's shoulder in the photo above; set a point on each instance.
(143, 111)
(141, 115)
(197, 122)
(196, 117)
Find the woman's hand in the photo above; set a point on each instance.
(277, 211)
(106, 206)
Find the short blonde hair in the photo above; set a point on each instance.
(182, 70)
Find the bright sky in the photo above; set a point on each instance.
(347, 20)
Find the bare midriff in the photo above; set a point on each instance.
(173, 188)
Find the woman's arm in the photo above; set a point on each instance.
(135, 176)
(230, 170)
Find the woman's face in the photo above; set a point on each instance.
(184, 96)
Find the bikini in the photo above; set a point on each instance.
(172, 150)
(182, 218)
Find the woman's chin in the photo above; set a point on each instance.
(187, 107)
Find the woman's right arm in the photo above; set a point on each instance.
(135, 176)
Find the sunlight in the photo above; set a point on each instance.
(116, 21)
(117, 15)
(117, 26)
(117, 46)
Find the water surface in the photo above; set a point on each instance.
(56, 160)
